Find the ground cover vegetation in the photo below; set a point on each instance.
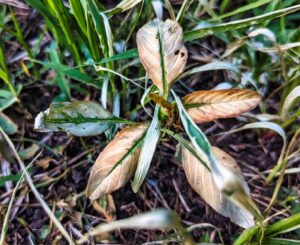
(149, 122)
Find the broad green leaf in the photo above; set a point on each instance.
(233, 25)
(117, 162)
(78, 118)
(213, 66)
(156, 219)
(209, 105)
(162, 52)
(292, 97)
(147, 151)
(201, 180)
(7, 124)
(225, 180)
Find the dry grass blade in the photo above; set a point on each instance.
(15, 3)
(34, 190)
(156, 219)
(206, 106)
(6, 219)
(117, 162)
(201, 180)
(161, 51)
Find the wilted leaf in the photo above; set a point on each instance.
(205, 106)
(156, 219)
(201, 180)
(161, 51)
(225, 179)
(15, 3)
(78, 118)
(117, 162)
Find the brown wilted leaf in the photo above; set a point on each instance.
(206, 106)
(174, 52)
(117, 162)
(201, 180)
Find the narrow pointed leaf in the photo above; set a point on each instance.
(78, 118)
(213, 66)
(201, 180)
(147, 151)
(237, 24)
(117, 162)
(161, 51)
(206, 106)
(156, 219)
(123, 6)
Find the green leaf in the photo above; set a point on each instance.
(7, 124)
(147, 151)
(102, 27)
(123, 6)
(213, 66)
(233, 25)
(78, 118)
(283, 226)
(71, 72)
(250, 6)
(280, 241)
(132, 53)
(6, 99)
(289, 101)
(225, 180)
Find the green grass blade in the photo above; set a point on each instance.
(244, 8)
(123, 6)
(104, 32)
(71, 72)
(147, 151)
(211, 30)
(216, 65)
(129, 54)
(283, 226)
